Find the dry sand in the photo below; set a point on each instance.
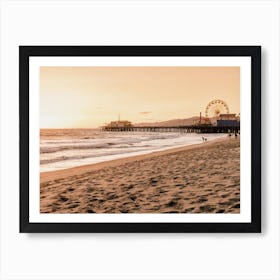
(203, 178)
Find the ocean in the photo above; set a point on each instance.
(66, 148)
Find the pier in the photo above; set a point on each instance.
(178, 129)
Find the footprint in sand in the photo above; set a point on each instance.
(235, 199)
(206, 208)
(172, 203)
(179, 185)
(236, 206)
(226, 203)
(153, 181)
(63, 198)
(90, 189)
(112, 196)
(189, 210)
(219, 185)
(128, 187)
(133, 198)
(71, 206)
(202, 199)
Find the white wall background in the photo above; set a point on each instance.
(139, 256)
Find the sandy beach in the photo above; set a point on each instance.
(202, 178)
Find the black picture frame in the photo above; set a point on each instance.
(254, 52)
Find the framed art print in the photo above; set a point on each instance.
(140, 138)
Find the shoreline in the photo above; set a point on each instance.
(79, 170)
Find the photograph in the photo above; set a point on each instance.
(140, 139)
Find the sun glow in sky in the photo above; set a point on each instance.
(88, 97)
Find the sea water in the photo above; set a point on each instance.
(66, 148)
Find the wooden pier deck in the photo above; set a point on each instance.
(179, 129)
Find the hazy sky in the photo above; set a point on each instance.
(72, 97)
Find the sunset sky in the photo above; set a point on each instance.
(84, 97)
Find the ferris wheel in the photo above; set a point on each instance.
(215, 108)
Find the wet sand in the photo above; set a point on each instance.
(203, 178)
